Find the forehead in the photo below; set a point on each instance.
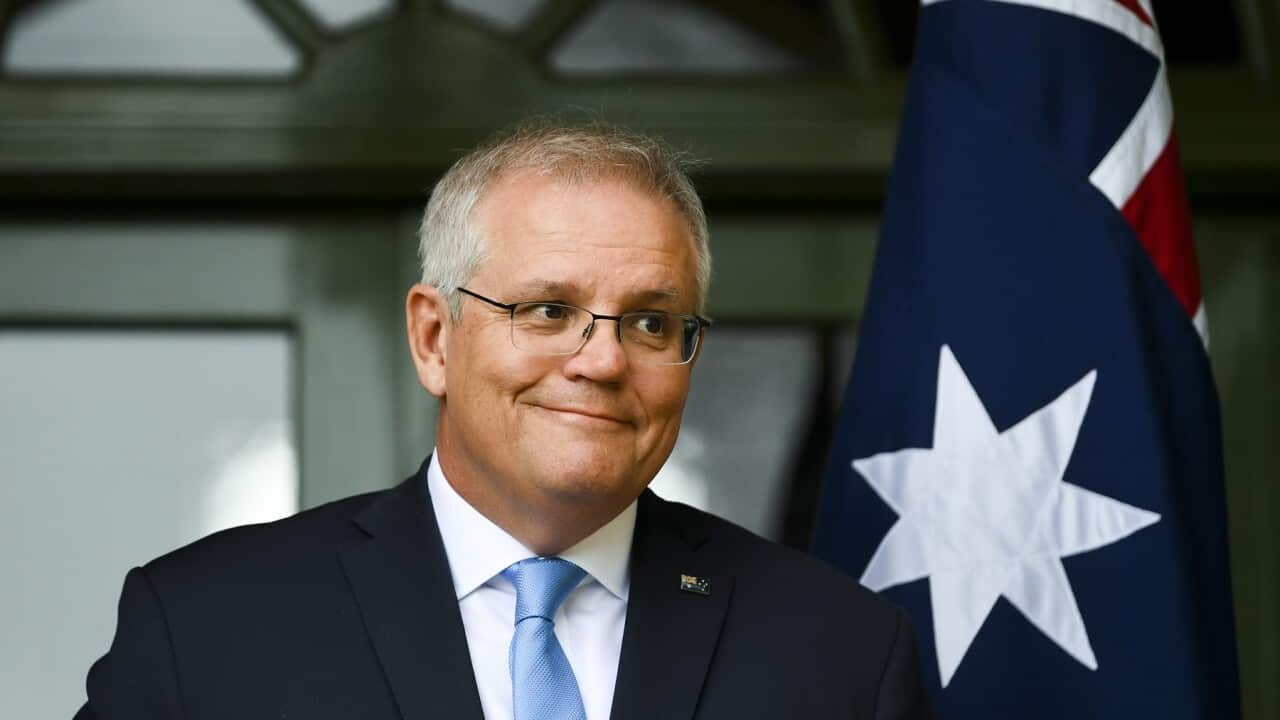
(603, 239)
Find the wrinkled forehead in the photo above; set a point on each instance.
(547, 233)
(580, 177)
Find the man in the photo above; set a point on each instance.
(525, 572)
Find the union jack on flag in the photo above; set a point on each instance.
(1029, 456)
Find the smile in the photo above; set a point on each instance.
(583, 415)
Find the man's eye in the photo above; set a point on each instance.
(547, 311)
(655, 324)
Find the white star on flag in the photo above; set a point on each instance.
(985, 514)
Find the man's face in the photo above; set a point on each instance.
(543, 433)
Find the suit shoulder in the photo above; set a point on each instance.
(270, 544)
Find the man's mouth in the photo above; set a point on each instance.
(585, 414)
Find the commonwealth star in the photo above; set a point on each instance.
(984, 514)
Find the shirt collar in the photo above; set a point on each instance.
(478, 550)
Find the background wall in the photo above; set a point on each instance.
(178, 169)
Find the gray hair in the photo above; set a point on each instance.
(451, 247)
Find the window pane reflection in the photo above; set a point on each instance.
(749, 407)
(666, 36)
(146, 37)
(119, 446)
(502, 15)
(342, 15)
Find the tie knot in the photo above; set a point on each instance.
(542, 584)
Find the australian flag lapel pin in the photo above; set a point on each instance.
(696, 585)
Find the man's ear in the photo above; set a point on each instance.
(427, 319)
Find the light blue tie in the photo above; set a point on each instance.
(542, 683)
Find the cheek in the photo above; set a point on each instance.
(484, 387)
(665, 406)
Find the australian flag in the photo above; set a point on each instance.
(1029, 454)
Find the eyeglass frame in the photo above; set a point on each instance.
(703, 324)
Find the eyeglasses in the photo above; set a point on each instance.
(647, 336)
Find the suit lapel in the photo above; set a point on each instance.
(400, 576)
(671, 634)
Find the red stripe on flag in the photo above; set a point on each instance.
(1136, 9)
(1159, 214)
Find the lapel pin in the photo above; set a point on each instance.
(696, 585)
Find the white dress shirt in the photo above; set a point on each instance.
(588, 625)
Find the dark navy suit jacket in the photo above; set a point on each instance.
(348, 611)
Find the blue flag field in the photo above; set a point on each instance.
(1028, 457)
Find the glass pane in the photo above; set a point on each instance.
(749, 405)
(119, 446)
(504, 15)
(146, 37)
(341, 15)
(668, 37)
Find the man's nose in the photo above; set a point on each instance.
(602, 357)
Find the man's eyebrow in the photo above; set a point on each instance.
(550, 289)
(668, 294)
(544, 290)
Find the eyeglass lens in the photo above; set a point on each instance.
(650, 337)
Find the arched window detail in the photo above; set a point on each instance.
(147, 38)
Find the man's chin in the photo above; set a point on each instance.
(588, 478)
